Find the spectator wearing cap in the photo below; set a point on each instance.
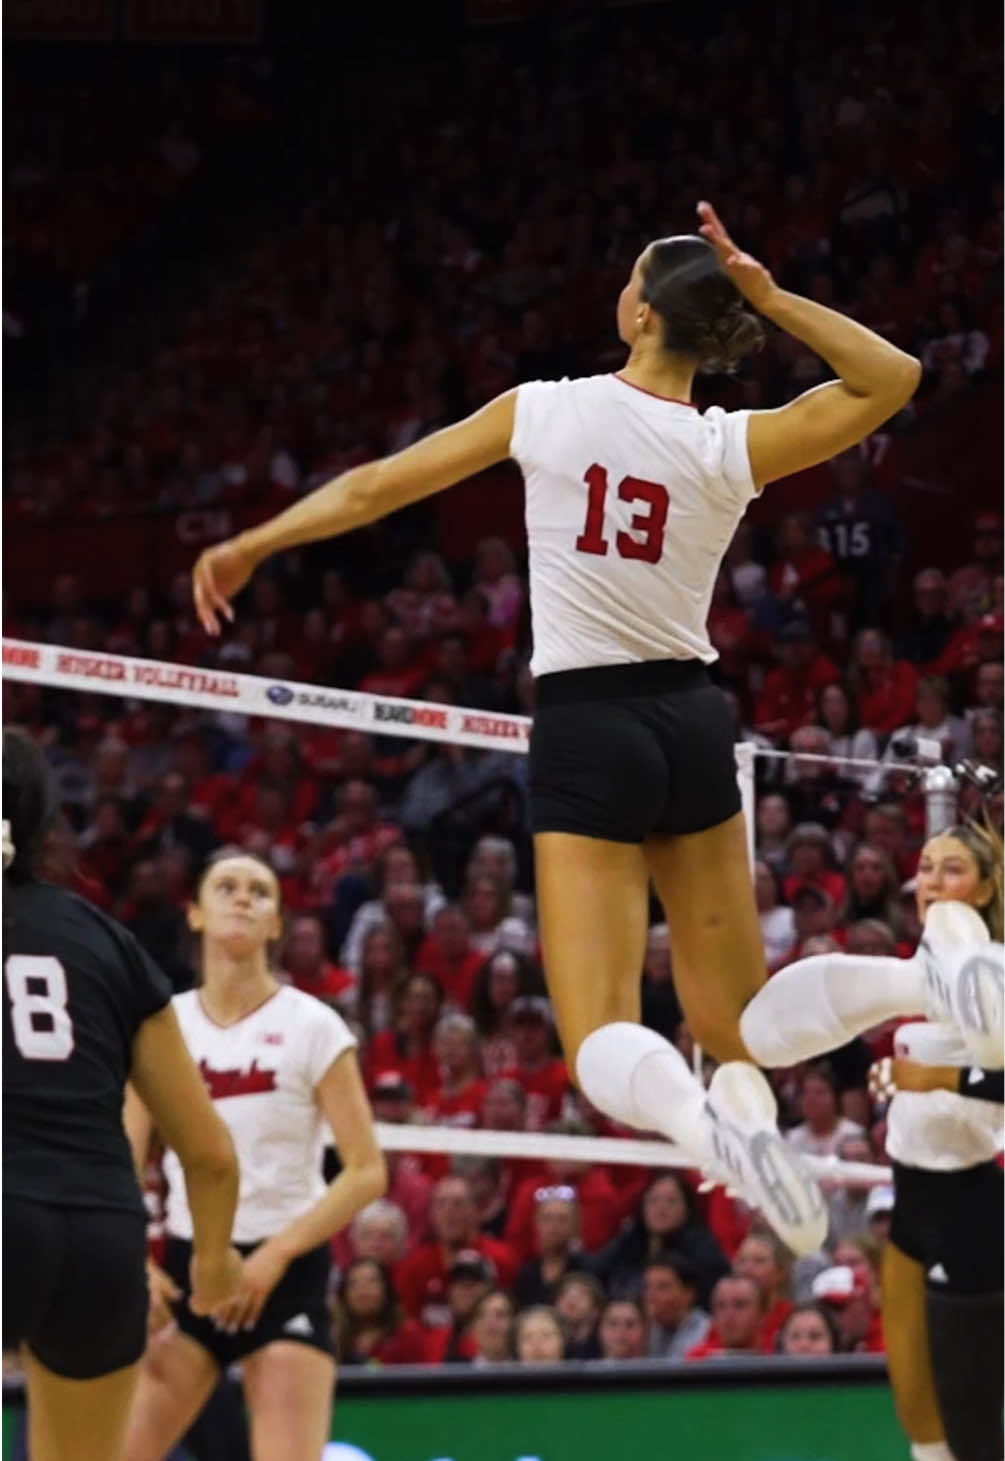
(421, 1278)
(667, 1222)
(737, 1314)
(597, 1200)
(556, 1246)
(762, 1257)
(622, 1330)
(822, 1128)
(505, 976)
(543, 1075)
(371, 1327)
(788, 699)
(303, 959)
(884, 688)
(470, 1277)
(408, 1046)
(929, 628)
(848, 1297)
(811, 860)
(448, 954)
(675, 1321)
(578, 1302)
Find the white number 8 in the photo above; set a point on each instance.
(55, 1040)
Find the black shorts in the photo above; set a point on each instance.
(626, 751)
(75, 1286)
(296, 1309)
(951, 1223)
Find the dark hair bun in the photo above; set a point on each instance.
(703, 313)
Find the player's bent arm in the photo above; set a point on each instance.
(366, 493)
(139, 1129)
(876, 381)
(168, 1084)
(341, 1096)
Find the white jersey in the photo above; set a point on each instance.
(631, 502)
(939, 1131)
(262, 1073)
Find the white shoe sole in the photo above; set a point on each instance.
(964, 980)
(747, 1152)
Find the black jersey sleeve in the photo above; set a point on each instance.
(982, 1085)
(145, 985)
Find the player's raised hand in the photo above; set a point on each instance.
(751, 278)
(218, 575)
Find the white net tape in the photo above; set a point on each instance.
(130, 678)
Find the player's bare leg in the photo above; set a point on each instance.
(704, 883)
(177, 1377)
(290, 1391)
(72, 1418)
(905, 1328)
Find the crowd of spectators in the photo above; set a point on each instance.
(860, 159)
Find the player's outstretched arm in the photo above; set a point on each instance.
(876, 379)
(165, 1080)
(353, 499)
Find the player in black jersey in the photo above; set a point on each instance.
(85, 1010)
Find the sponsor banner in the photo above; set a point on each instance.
(230, 22)
(143, 679)
(59, 20)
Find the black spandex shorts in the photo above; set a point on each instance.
(951, 1223)
(75, 1286)
(296, 1308)
(625, 751)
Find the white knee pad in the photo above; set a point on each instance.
(933, 1451)
(606, 1063)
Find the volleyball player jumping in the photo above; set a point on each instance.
(632, 498)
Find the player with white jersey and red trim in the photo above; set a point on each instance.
(632, 498)
(280, 1067)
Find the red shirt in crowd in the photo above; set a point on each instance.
(889, 703)
(463, 1109)
(421, 1278)
(332, 983)
(789, 697)
(546, 1089)
(599, 1211)
(405, 1345)
(422, 1072)
(440, 1342)
(772, 1323)
(457, 980)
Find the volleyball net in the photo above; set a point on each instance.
(242, 698)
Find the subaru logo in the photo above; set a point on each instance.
(279, 694)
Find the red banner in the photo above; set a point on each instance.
(230, 22)
(59, 20)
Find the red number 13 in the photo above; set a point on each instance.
(651, 523)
